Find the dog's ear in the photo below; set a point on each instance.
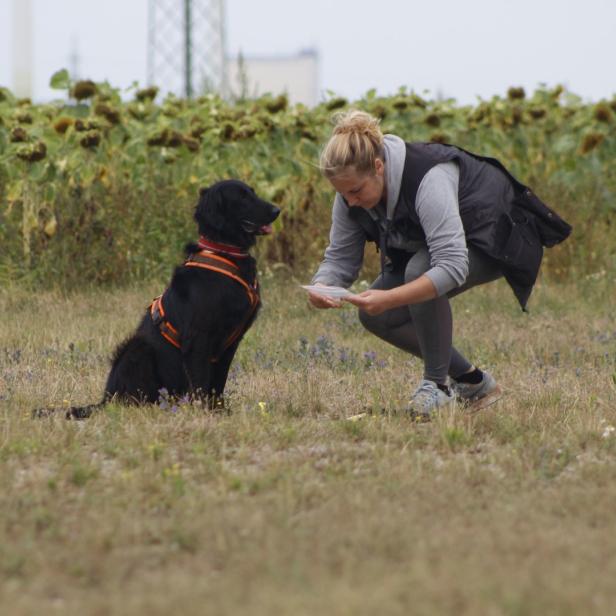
(208, 212)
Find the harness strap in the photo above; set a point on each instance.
(167, 330)
(216, 263)
(213, 262)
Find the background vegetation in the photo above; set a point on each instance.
(95, 188)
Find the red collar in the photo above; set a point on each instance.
(225, 249)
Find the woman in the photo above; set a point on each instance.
(445, 220)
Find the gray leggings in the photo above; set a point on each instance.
(425, 329)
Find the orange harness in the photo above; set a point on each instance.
(215, 263)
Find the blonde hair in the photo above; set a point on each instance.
(356, 141)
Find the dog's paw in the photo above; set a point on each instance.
(217, 404)
(80, 412)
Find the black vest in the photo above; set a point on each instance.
(511, 230)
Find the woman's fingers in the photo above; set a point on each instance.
(372, 301)
(320, 301)
(360, 299)
(356, 300)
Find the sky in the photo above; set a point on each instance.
(456, 48)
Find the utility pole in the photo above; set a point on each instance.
(73, 59)
(186, 46)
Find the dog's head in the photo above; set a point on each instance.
(230, 212)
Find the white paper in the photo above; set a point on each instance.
(333, 292)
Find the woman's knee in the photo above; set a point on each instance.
(371, 323)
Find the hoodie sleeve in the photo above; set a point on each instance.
(439, 214)
(345, 254)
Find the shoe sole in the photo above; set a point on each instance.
(485, 401)
(472, 407)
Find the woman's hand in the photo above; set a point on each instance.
(372, 301)
(375, 301)
(320, 301)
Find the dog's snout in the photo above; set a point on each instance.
(275, 212)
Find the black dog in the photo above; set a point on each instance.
(186, 341)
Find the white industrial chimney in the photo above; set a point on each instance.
(22, 48)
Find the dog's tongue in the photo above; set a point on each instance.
(266, 229)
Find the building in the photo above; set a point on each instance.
(295, 75)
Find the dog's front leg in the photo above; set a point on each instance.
(199, 368)
(220, 370)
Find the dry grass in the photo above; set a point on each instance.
(282, 506)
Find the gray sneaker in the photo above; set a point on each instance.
(427, 399)
(479, 395)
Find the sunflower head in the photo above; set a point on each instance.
(432, 119)
(109, 113)
(32, 153)
(146, 94)
(537, 113)
(83, 90)
(91, 139)
(602, 112)
(590, 142)
(514, 94)
(280, 103)
(439, 138)
(336, 103)
(19, 135)
(62, 125)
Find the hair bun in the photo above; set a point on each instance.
(355, 122)
(356, 141)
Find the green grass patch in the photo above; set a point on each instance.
(143, 510)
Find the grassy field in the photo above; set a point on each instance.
(283, 506)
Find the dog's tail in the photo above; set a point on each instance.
(74, 412)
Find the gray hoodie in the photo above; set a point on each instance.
(439, 215)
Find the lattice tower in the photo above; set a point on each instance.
(186, 46)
